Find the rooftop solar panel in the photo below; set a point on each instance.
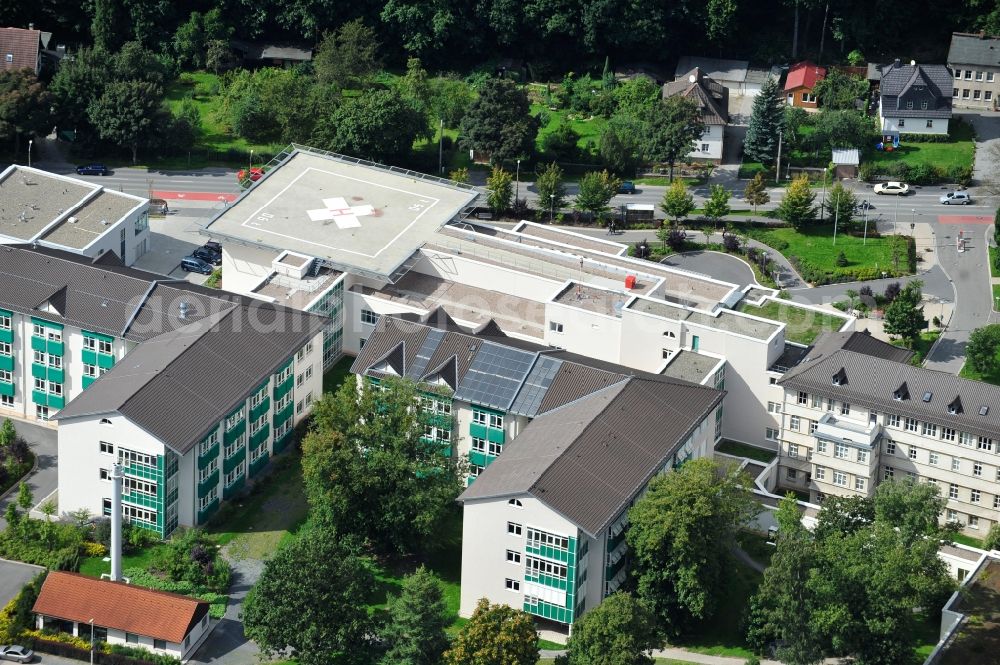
(419, 366)
(536, 385)
(495, 375)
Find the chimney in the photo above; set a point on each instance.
(896, 63)
(31, 26)
(116, 523)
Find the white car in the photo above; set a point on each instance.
(897, 188)
(16, 653)
(956, 199)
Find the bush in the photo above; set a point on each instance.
(841, 259)
(961, 175)
(94, 549)
(911, 253)
(676, 239)
(867, 171)
(144, 578)
(731, 243)
(891, 292)
(561, 144)
(191, 556)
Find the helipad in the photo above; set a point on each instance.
(358, 217)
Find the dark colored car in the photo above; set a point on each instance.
(194, 264)
(208, 256)
(627, 187)
(16, 653)
(213, 246)
(92, 169)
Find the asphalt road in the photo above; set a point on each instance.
(13, 576)
(43, 481)
(714, 264)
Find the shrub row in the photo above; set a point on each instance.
(921, 174)
(108, 654)
(144, 578)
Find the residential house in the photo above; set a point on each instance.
(712, 99)
(974, 60)
(801, 83)
(118, 613)
(261, 54)
(20, 48)
(914, 99)
(857, 413)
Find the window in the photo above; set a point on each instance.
(206, 473)
(893, 420)
(958, 73)
(131, 638)
(820, 473)
(791, 474)
(208, 442)
(478, 444)
(932, 458)
(817, 402)
(234, 420)
(494, 449)
(513, 557)
(704, 147)
(235, 474)
(984, 443)
(862, 456)
(813, 426)
(555, 326)
(793, 450)
(889, 473)
(803, 398)
(4, 322)
(976, 94)
(496, 421)
(207, 500)
(948, 434)
(821, 447)
(952, 491)
(107, 448)
(771, 434)
(369, 317)
(793, 423)
(159, 644)
(840, 478)
(7, 400)
(536, 567)
(977, 469)
(989, 77)
(956, 464)
(965, 93)
(9, 57)
(912, 452)
(773, 407)
(923, 105)
(965, 438)
(513, 585)
(845, 409)
(139, 486)
(912, 425)
(840, 450)
(996, 501)
(90, 370)
(902, 122)
(929, 429)
(5, 349)
(859, 484)
(808, 98)
(979, 76)
(538, 538)
(975, 496)
(952, 515)
(909, 105)
(475, 470)
(515, 502)
(954, 92)
(973, 522)
(988, 95)
(513, 528)
(104, 474)
(968, 74)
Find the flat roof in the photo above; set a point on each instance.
(297, 293)
(723, 319)
(592, 299)
(690, 366)
(92, 220)
(31, 200)
(358, 216)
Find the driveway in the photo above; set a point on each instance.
(44, 480)
(227, 645)
(13, 576)
(713, 264)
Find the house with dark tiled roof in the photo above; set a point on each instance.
(974, 60)
(580, 439)
(801, 82)
(914, 99)
(20, 48)
(118, 613)
(712, 99)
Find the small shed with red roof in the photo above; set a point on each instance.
(801, 82)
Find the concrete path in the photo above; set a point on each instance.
(227, 645)
(43, 480)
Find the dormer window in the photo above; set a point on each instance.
(901, 393)
(955, 407)
(923, 105)
(840, 378)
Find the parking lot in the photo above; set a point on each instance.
(174, 236)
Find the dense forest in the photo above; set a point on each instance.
(550, 36)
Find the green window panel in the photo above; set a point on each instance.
(206, 459)
(229, 492)
(55, 348)
(616, 541)
(282, 442)
(105, 361)
(283, 389)
(477, 430)
(7, 363)
(6, 389)
(97, 335)
(495, 435)
(235, 432)
(206, 486)
(7, 336)
(38, 397)
(57, 374)
(88, 357)
(260, 409)
(259, 464)
(281, 416)
(204, 515)
(39, 371)
(232, 462)
(613, 569)
(441, 420)
(141, 500)
(261, 436)
(46, 323)
(87, 380)
(38, 344)
(478, 458)
(57, 401)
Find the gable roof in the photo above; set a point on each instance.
(974, 49)
(587, 460)
(805, 74)
(711, 96)
(22, 45)
(726, 71)
(898, 80)
(133, 609)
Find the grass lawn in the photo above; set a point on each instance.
(996, 294)
(723, 634)
(813, 247)
(802, 325)
(923, 345)
(967, 540)
(95, 566)
(589, 129)
(957, 152)
(989, 377)
(994, 272)
(744, 450)
(336, 374)
(658, 661)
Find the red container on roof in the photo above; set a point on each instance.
(630, 281)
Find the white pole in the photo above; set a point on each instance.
(777, 170)
(91, 642)
(836, 217)
(116, 523)
(865, 241)
(441, 145)
(517, 182)
(30, 142)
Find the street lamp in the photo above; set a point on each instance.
(30, 141)
(913, 219)
(91, 622)
(552, 206)
(864, 209)
(517, 181)
(250, 168)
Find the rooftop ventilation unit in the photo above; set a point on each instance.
(183, 309)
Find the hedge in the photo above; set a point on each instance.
(144, 578)
(115, 654)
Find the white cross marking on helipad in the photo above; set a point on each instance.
(345, 216)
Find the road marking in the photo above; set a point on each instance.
(965, 219)
(195, 196)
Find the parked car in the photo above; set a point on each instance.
(208, 256)
(246, 176)
(897, 188)
(214, 246)
(194, 264)
(92, 169)
(956, 199)
(16, 653)
(627, 187)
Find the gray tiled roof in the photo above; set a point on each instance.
(872, 381)
(974, 49)
(710, 95)
(587, 460)
(731, 71)
(898, 80)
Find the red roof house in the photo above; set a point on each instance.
(800, 82)
(20, 49)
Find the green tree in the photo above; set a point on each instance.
(793, 120)
(981, 351)
(24, 105)
(77, 82)
(349, 56)
(417, 619)
(368, 472)
(840, 90)
(106, 26)
(904, 317)
(424, 26)
(636, 97)
(783, 605)
(672, 127)
(766, 115)
(755, 193)
(450, 99)
(376, 125)
(680, 533)
(717, 205)
(219, 57)
(796, 207)
(597, 188)
(500, 188)
(619, 631)
(912, 508)
(721, 14)
(677, 201)
(124, 113)
(309, 598)
(498, 123)
(7, 433)
(550, 187)
(415, 85)
(460, 175)
(25, 499)
(842, 204)
(992, 540)
(843, 129)
(191, 40)
(495, 635)
(620, 145)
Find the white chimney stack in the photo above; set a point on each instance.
(116, 523)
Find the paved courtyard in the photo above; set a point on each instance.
(13, 576)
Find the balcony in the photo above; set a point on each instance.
(234, 460)
(832, 428)
(260, 436)
(259, 463)
(207, 485)
(259, 410)
(7, 363)
(235, 433)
